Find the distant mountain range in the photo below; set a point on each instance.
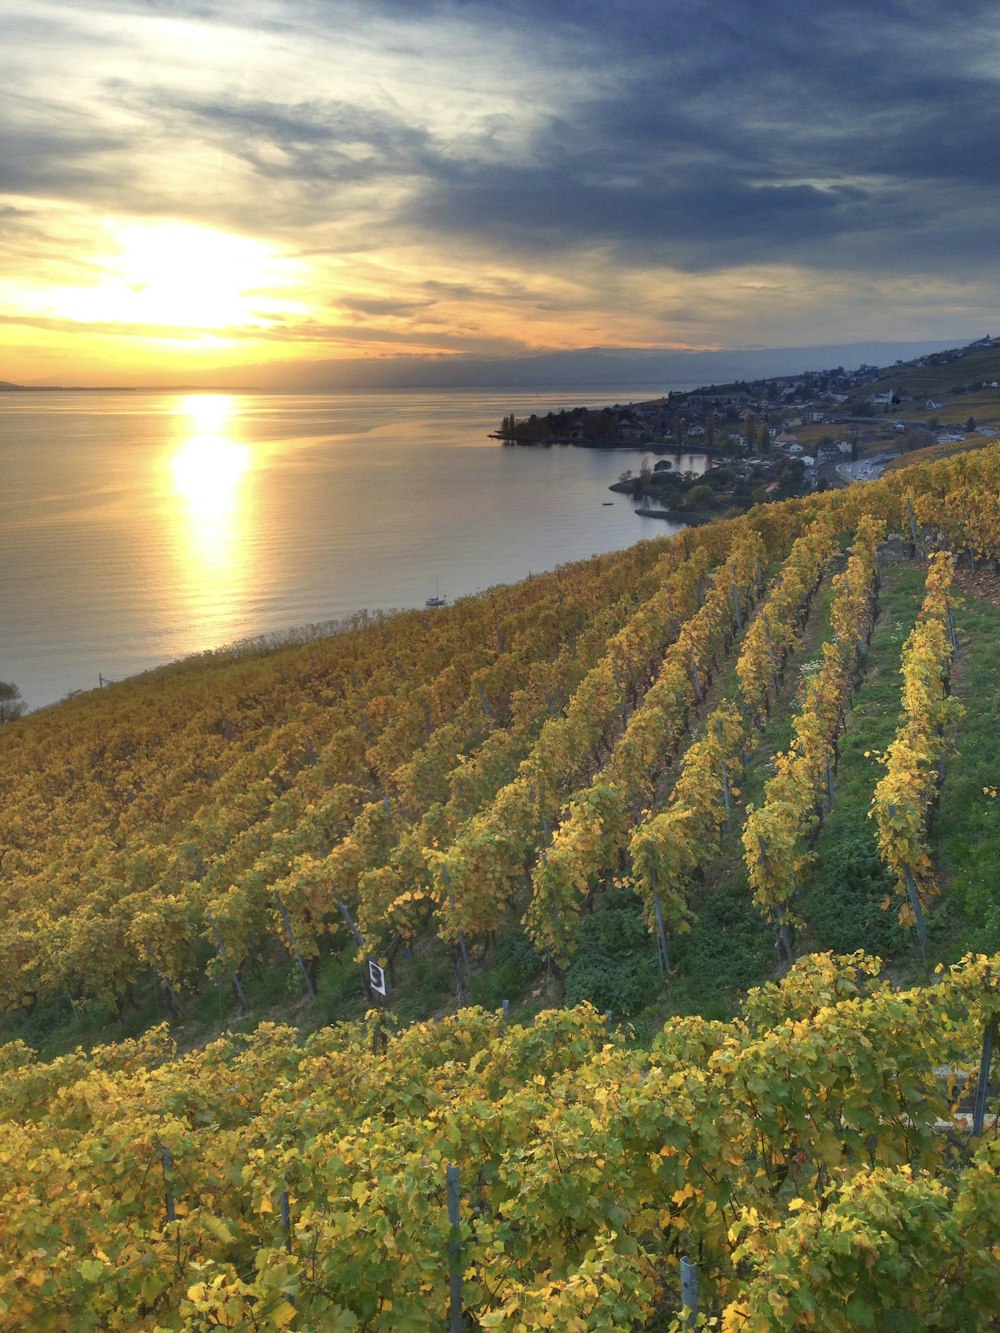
(589, 367)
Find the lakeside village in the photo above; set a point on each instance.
(721, 449)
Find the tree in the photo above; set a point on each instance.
(916, 438)
(600, 425)
(11, 703)
(791, 473)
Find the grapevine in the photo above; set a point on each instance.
(904, 795)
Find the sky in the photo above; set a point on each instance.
(191, 186)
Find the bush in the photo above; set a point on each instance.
(842, 903)
(607, 984)
(729, 947)
(516, 963)
(615, 964)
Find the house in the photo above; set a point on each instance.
(933, 404)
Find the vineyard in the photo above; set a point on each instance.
(637, 781)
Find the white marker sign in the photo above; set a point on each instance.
(376, 977)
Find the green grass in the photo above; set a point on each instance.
(841, 901)
(966, 830)
(731, 947)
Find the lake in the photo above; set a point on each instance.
(136, 528)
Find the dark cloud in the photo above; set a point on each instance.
(847, 137)
(374, 305)
(729, 135)
(690, 222)
(329, 143)
(770, 132)
(48, 150)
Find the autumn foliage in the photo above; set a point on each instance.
(505, 761)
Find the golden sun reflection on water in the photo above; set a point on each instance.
(209, 472)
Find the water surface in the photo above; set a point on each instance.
(136, 528)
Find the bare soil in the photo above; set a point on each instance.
(982, 582)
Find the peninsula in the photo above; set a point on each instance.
(722, 447)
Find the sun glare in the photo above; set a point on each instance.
(208, 474)
(178, 276)
(208, 414)
(208, 470)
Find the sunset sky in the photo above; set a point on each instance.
(196, 184)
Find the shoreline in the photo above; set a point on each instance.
(607, 445)
(689, 520)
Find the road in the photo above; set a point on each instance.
(865, 469)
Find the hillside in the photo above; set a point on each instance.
(646, 799)
(955, 374)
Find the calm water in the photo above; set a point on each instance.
(137, 528)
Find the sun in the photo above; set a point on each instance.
(191, 277)
(180, 276)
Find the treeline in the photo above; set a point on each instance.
(607, 425)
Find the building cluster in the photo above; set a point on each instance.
(749, 427)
